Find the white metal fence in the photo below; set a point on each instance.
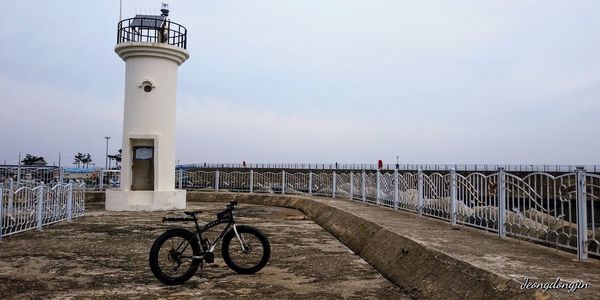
(30, 175)
(26, 206)
(93, 179)
(547, 208)
(540, 207)
(100, 179)
(391, 167)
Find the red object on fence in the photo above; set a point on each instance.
(380, 164)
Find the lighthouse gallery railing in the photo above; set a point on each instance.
(151, 30)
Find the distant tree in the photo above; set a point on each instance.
(78, 159)
(32, 160)
(28, 160)
(116, 157)
(86, 159)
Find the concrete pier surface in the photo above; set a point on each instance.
(105, 255)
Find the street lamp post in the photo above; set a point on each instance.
(106, 156)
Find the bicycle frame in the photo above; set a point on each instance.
(201, 229)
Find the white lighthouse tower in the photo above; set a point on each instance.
(153, 48)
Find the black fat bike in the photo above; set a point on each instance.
(176, 254)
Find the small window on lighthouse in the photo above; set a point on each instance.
(147, 86)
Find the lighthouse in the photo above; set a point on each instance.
(152, 47)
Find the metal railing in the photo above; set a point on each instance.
(99, 179)
(25, 207)
(151, 29)
(109, 179)
(539, 207)
(547, 208)
(93, 179)
(391, 167)
(30, 175)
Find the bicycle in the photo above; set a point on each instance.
(177, 253)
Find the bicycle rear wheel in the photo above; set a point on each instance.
(171, 254)
(254, 255)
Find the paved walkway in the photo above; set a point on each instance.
(105, 255)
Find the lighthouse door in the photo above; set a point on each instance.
(142, 169)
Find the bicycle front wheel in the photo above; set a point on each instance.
(171, 256)
(249, 253)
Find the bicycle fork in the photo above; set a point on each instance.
(240, 238)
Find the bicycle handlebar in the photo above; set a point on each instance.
(232, 205)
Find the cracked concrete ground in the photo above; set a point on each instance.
(105, 255)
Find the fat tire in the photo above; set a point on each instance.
(230, 235)
(159, 242)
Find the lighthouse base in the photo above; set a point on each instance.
(119, 200)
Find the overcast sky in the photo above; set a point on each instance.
(318, 81)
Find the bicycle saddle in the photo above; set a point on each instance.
(192, 213)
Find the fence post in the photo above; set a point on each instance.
(1, 212)
(61, 175)
(378, 186)
(364, 186)
(396, 189)
(40, 206)
(333, 183)
(217, 180)
(19, 171)
(310, 175)
(11, 196)
(283, 182)
(251, 181)
(70, 203)
(101, 178)
(581, 215)
(351, 185)
(453, 196)
(420, 192)
(180, 179)
(501, 194)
